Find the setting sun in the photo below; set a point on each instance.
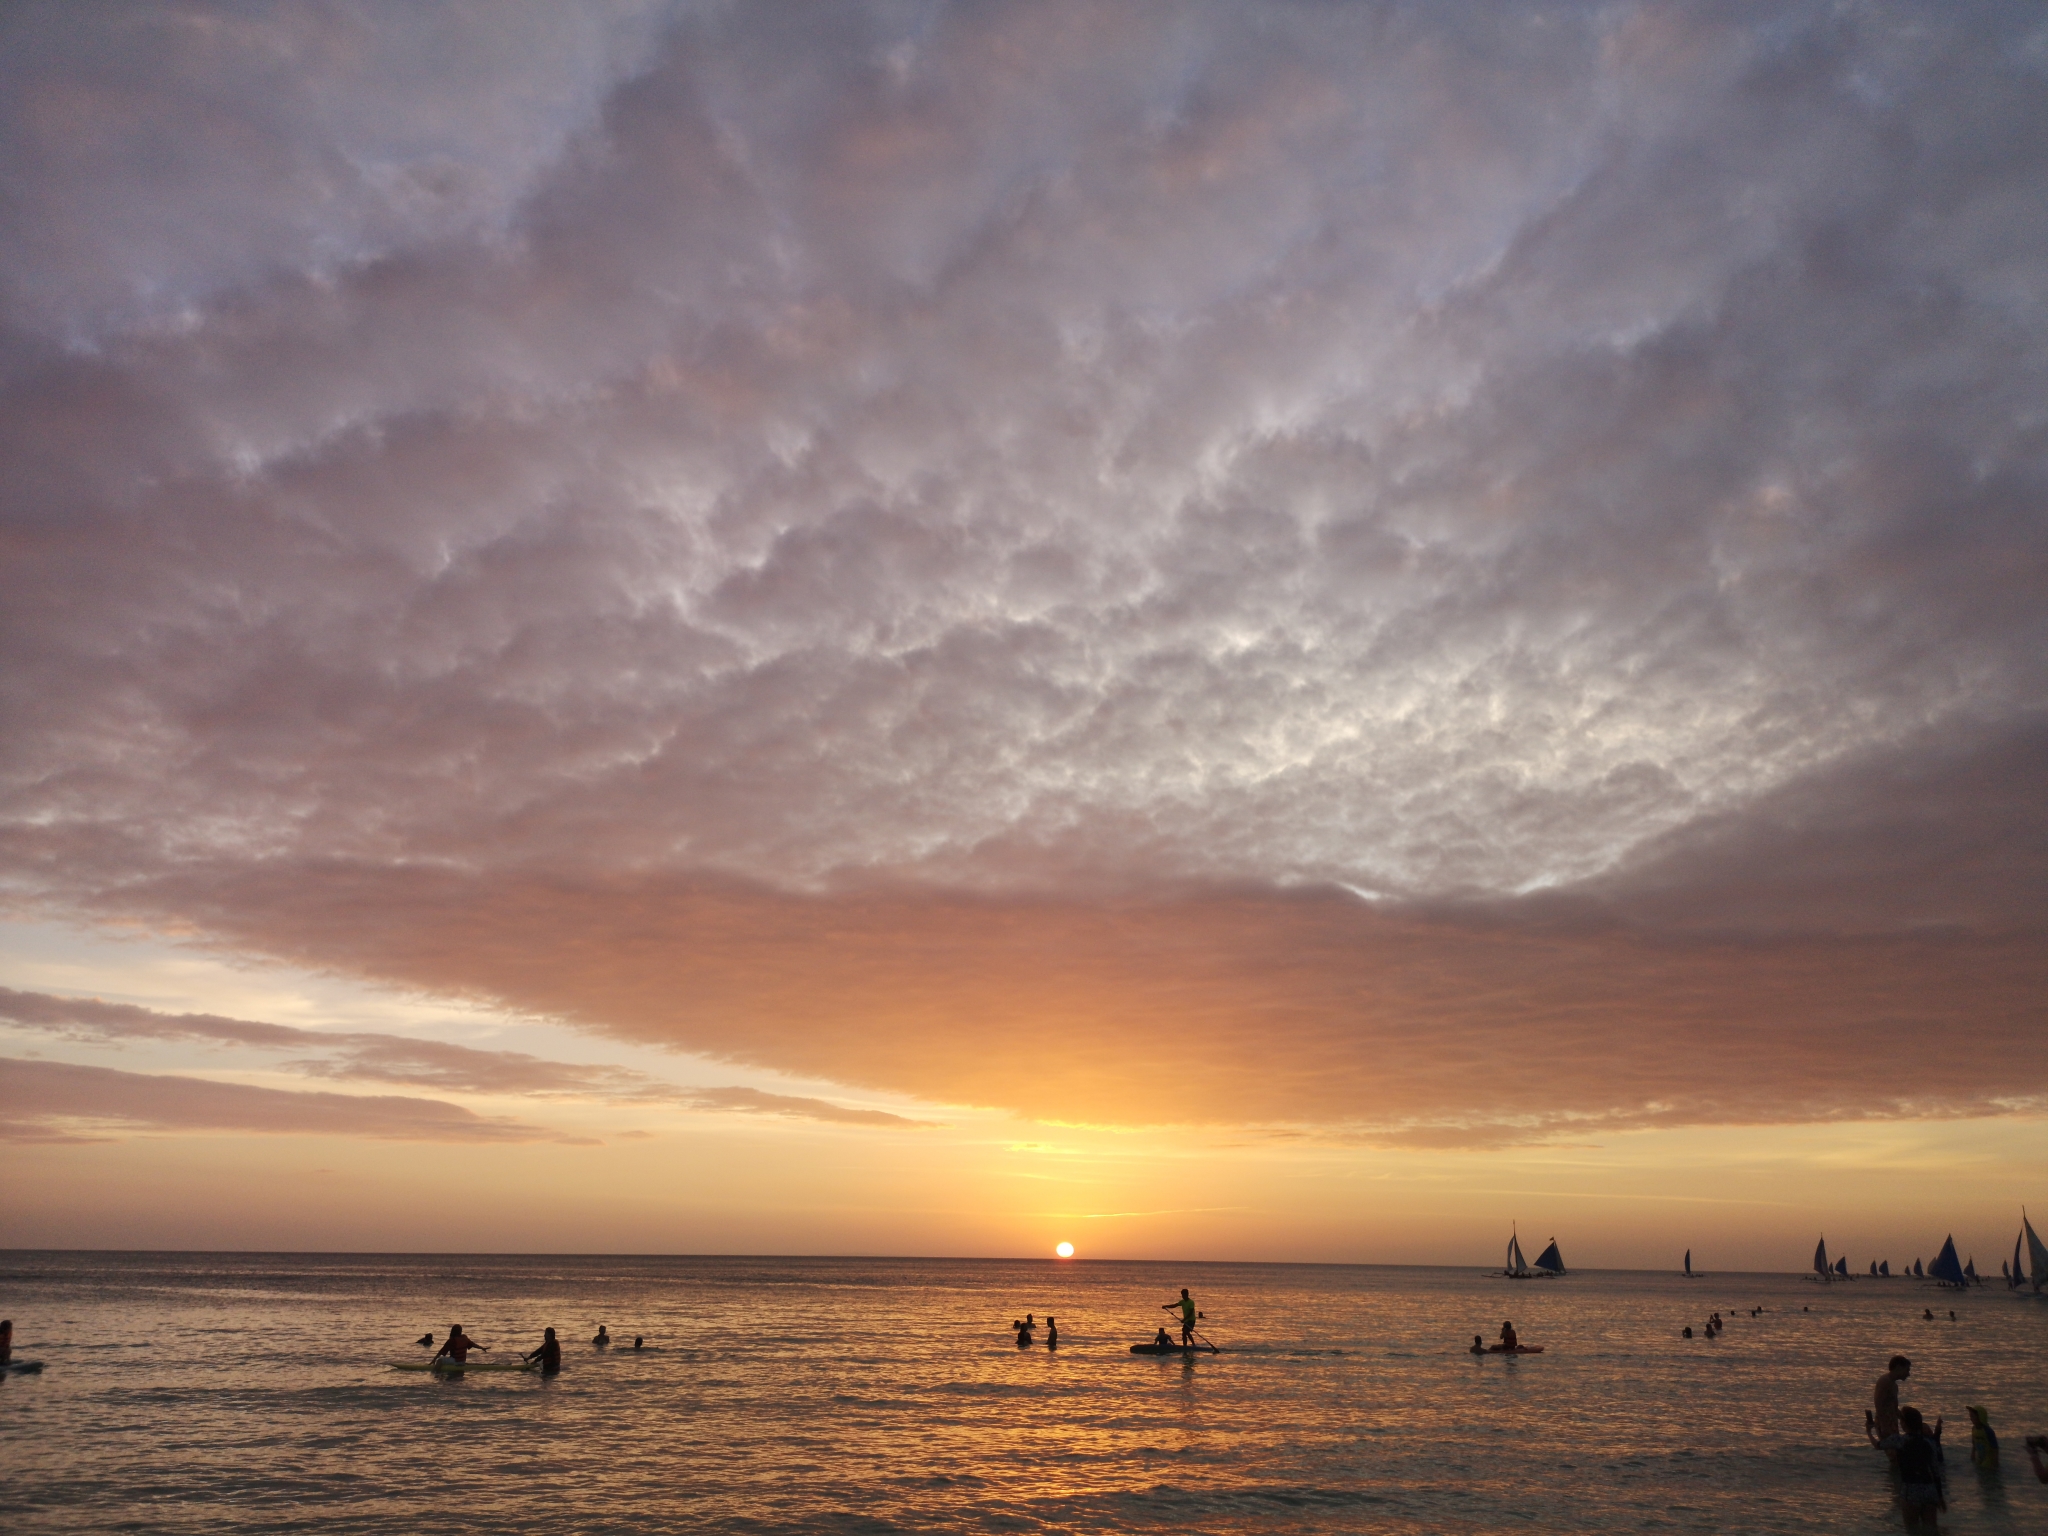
(1065, 1250)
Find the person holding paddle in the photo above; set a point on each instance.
(1186, 1307)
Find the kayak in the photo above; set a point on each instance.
(1173, 1349)
(470, 1365)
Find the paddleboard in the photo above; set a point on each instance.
(472, 1365)
(1172, 1349)
(24, 1367)
(1519, 1349)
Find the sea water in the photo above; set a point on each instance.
(240, 1392)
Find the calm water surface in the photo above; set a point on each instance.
(253, 1393)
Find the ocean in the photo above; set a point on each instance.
(253, 1392)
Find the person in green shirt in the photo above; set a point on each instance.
(1186, 1307)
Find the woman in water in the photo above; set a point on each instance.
(1509, 1341)
(458, 1346)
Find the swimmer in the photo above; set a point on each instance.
(639, 1342)
(1687, 1333)
(426, 1340)
(1479, 1344)
(603, 1337)
(1052, 1331)
(1927, 1314)
(549, 1354)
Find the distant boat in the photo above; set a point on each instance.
(1946, 1267)
(1518, 1267)
(2037, 1254)
(1918, 1272)
(1550, 1261)
(1884, 1269)
(1690, 1272)
(1842, 1267)
(1970, 1271)
(1821, 1267)
(1873, 1269)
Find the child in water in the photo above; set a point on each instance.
(1917, 1454)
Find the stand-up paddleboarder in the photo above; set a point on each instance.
(1186, 1307)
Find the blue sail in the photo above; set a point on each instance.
(1842, 1266)
(1550, 1261)
(1948, 1269)
(1884, 1269)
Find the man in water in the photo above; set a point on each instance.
(1509, 1341)
(1188, 1314)
(458, 1346)
(1052, 1331)
(549, 1354)
(426, 1340)
(1884, 1422)
(6, 1340)
(603, 1338)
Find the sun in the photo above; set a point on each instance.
(1065, 1250)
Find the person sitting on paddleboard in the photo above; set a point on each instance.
(549, 1354)
(1186, 1307)
(458, 1346)
(1161, 1340)
(1509, 1343)
(602, 1338)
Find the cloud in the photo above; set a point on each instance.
(48, 1100)
(365, 1057)
(875, 545)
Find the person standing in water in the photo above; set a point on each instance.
(1186, 1307)
(549, 1354)
(1917, 1455)
(603, 1338)
(6, 1340)
(458, 1346)
(1052, 1331)
(1881, 1421)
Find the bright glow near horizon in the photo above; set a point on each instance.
(1065, 1250)
(745, 637)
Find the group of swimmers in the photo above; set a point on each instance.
(458, 1345)
(1029, 1326)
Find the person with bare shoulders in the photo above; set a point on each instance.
(2036, 1444)
(1882, 1419)
(457, 1347)
(1509, 1341)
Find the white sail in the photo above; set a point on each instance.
(1820, 1260)
(1517, 1265)
(2037, 1255)
(1688, 1261)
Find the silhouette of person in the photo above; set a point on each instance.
(1479, 1344)
(458, 1345)
(1884, 1420)
(603, 1337)
(427, 1339)
(549, 1354)
(1922, 1477)
(1186, 1308)
(1508, 1338)
(1688, 1331)
(1052, 1331)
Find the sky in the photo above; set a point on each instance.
(1292, 631)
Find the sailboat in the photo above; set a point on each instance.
(1918, 1272)
(1884, 1269)
(1970, 1271)
(1821, 1267)
(1690, 1272)
(2015, 1277)
(2037, 1253)
(1550, 1261)
(1947, 1269)
(1518, 1267)
(1842, 1267)
(1873, 1269)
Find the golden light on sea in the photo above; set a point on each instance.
(1065, 1250)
